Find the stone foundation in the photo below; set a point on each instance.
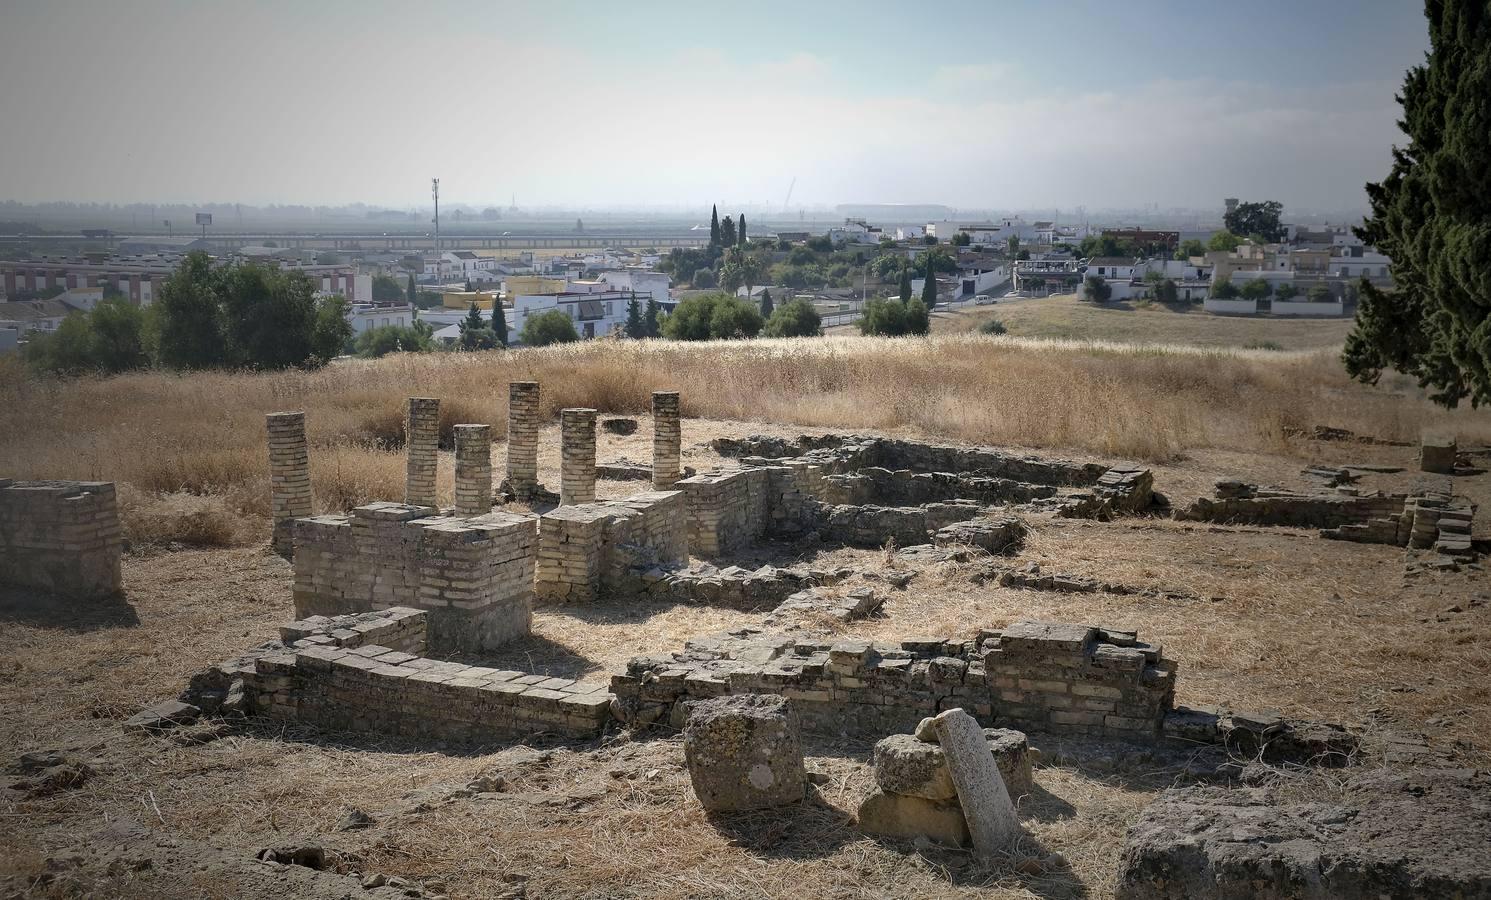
(1238, 502)
(62, 537)
(473, 575)
(594, 548)
(1064, 678)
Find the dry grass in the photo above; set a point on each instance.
(1066, 318)
(203, 433)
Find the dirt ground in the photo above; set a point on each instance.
(1313, 628)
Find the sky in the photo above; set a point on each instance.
(995, 104)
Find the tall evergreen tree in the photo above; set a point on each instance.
(929, 286)
(727, 232)
(190, 331)
(766, 305)
(714, 226)
(1432, 217)
(409, 288)
(740, 229)
(905, 283)
(499, 323)
(635, 327)
(651, 327)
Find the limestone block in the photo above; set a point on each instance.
(992, 822)
(1437, 454)
(905, 816)
(744, 752)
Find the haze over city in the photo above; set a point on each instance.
(667, 105)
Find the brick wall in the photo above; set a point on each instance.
(61, 536)
(590, 548)
(1249, 504)
(1043, 676)
(474, 576)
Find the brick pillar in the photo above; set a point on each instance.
(522, 439)
(577, 465)
(473, 470)
(289, 476)
(667, 439)
(421, 444)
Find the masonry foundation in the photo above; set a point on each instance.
(61, 536)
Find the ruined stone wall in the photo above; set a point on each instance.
(1238, 502)
(61, 536)
(837, 454)
(474, 576)
(375, 688)
(1044, 676)
(588, 549)
(903, 487)
(726, 509)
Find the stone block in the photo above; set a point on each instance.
(744, 752)
(991, 818)
(905, 816)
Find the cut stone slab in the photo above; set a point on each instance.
(986, 804)
(903, 816)
(907, 765)
(162, 716)
(744, 752)
(1395, 833)
(1437, 454)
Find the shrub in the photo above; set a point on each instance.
(893, 318)
(1224, 289)
(551, 327)
(1166, 292)
(1097, 289)
(1263, 345)
(707, 316)
(993, 326)
(385, 339)
(1320, 294)
(1255, 289)
(795, 319)
(1286, 291)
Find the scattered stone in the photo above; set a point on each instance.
(744, 752)
(354, 820)
(619, 425)
(1382, 833)
(905, 816)
(163, 716)
(992, 823)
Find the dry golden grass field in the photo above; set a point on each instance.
(1313, 628)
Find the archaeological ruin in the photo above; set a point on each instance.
(400, 605)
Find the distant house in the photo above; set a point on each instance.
(27, 316)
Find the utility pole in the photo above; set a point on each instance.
(435, 189)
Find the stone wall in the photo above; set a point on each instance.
(61, 536)
(1064, 678)
(903, 487)
(591, 548)
(1242, 503)
(731, 508)
(473, 575)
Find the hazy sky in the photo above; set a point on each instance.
(993, 103)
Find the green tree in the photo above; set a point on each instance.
(386, 289)
(1259, 220)
(706, 316)
(1224, 289)
(499, 324)
(271, 318)
(767, 307)
(550, 327)
(1286, 291)
(652, 328)
(1224, 240)
(385, 339)
(905, 286)
(796, 318)
(1320, 294)
(929, 284)
(1255, 289)
(734, 318)
(635, 327)
(961, 239)
(883, 318)
(703, 277)
(1013, 245)
(1432, 216)
(68, 350)
(188, 320)
(1096, 289)
(331, 332)
(993, 326)
(475, 335)
(1190, 247)
(409, 290)
(918, 317)
(727, 232)
(118, 328)
(714, 226)
(1166, 292)
(741, 228)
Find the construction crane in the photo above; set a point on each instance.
(788, 201)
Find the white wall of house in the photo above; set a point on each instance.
(1231, 307)
(363, 318)
(1306, 308)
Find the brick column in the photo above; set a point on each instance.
(289, 476)
(522, 439)
(577, 466)
(667, 439)
(473, 470)
(421, 444)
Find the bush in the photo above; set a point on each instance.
(893, 318)
(110, 339)
(376, 342)
(795, 319)
(1097, 289)
(1166, 292)
(551, 327)
(1255, 289)
(993, 326)
(703, 278)
(1286, 292)
(710, 316)
(1320, 294)
(1224, 289)
(1263, 345)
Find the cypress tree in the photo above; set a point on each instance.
(635, 327)
(1432, 216)
(409, 289)
(714, 226)
(740, 229)
(905, 283)
(650, 322)
(727, 232)
(766, 305)
(499, 323)
(929, 287)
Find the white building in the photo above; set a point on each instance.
(856, 231)
(463, 265)
(911, 232)
(365, 316)
(655, 285)
(988, 234)
(596, 313)
(1361, 262)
